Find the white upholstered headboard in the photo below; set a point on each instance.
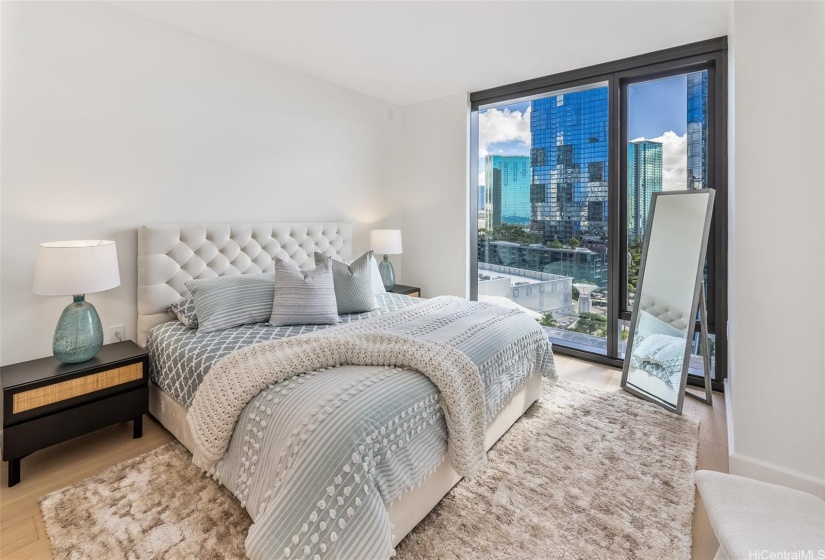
(664, 312)
(169, 255)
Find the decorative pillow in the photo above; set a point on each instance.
(230, 301)
(377, 281)
(662, 356)
(649, 324)
(184, 310)
(353, 283)
(303, 298)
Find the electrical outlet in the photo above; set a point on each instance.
(117, 333)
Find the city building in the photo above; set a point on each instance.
(697, 130)
(539, 292)
(481, 201)
(585, 264)
(507, 192)
(644, 177)
(568, 192)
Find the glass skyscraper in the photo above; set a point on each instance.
(697, 129)
(507, 190)
(568, 194)
(644, 177)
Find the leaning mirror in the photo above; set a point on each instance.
(667, 297)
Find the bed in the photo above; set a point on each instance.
(181, 359)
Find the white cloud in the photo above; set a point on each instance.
(674, 156)
(496, 126)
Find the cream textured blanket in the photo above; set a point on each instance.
(384, 341)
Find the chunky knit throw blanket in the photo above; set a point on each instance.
(383, 341)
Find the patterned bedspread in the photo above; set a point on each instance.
(316, 457)
(181, 357)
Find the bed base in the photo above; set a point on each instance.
(406, 512)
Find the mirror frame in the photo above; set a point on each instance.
(711, 194)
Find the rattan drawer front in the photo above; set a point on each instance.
(79, 386)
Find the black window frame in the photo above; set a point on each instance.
(708, 55)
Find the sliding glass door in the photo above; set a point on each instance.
(667, 127)
(564, 169)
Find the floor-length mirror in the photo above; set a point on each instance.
(664, 314)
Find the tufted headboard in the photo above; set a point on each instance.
(169, 255)
(664, 312)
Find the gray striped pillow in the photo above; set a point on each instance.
(353, 283)
(303, 298)
(231, 301)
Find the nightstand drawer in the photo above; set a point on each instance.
(77, 387)
(39, 433)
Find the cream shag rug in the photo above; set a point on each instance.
(584, 474)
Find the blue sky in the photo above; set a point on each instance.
(657, 107)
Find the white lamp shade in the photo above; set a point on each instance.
(66, 268)
(386, 241)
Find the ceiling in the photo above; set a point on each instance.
(409, 52)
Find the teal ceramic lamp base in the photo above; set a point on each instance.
(79, 335)
(387, 273)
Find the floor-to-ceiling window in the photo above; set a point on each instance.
(565, 168)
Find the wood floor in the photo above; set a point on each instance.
(23, 534)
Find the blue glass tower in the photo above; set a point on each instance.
(697, 129)
(568, 194)
(644, 177)
(507, 190)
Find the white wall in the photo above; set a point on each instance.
(110, 121)
(777, 262)
(434, 197)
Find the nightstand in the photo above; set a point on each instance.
(46, 402)
(411, 291)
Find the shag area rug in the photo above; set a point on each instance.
(584, 474)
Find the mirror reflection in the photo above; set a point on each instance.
(655, 364)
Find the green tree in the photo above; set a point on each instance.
(555, 244)
(634, 261)
(591, 323)
(574, 242)
(547, 320)
(512, 233)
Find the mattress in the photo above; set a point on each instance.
(180, 357)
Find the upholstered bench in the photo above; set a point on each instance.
(754, 520)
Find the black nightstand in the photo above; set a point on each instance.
(411, 291)
(46, 402)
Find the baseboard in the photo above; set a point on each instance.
(752, 468)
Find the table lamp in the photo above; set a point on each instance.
(76, 268)
(388, 242)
